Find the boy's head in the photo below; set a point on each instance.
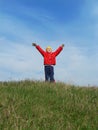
(48, 49)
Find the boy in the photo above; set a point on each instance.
(49, 60)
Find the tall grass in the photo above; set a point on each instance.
(33, 105)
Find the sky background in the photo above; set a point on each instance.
(49, 22)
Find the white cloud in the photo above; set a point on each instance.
(76, 67)
(20, 61)
(77, 63)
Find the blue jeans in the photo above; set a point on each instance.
(49, 73)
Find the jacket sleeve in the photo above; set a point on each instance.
(40, 50)
(58, 50)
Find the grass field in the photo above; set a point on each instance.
(34, 105)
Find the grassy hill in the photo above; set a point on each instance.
(33, 105)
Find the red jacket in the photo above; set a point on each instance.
(49, 58)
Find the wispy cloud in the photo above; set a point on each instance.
(25, 22)
(17, 62)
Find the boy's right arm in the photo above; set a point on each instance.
(39, 48)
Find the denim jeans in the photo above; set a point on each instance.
(49, 73)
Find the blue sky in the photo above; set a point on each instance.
(49, 22)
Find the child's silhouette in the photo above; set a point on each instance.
(49, 60)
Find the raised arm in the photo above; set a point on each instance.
(39, 48)
(60, 48)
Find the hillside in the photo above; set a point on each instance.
(33, 105)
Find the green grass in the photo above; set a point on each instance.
(33, 105)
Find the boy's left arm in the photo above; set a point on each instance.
(59, 50)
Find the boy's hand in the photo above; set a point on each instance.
(62, 45)
(34, 44)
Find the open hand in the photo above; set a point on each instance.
(34, 44)
(62, 45)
